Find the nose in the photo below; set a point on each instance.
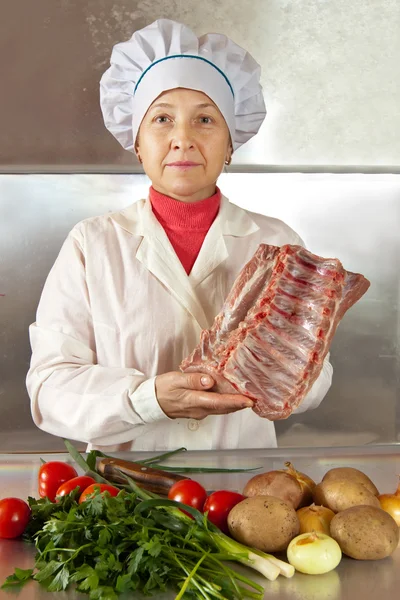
(182, 137)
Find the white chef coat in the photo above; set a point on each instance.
(118, 309)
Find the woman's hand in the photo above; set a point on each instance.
(185, 395)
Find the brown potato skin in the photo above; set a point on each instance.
(365, 532)
(264, 522)
(275, 483)
(351, 474)
(340, 494)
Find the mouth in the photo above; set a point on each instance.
(183, 164)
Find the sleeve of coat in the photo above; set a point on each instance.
(71, 395)
(324, 381)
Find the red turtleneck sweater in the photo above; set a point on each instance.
(185, 223)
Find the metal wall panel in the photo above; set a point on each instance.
(353, 217)
(329, 70)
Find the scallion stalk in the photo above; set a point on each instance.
(164, 456)
(178, 469)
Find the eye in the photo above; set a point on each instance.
(161, 119)
(206, 120)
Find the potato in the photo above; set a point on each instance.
(275, 483)
(264, 522)
(350, 474)
(365, 532)
(340, 494)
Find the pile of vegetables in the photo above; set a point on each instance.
(108, 538)
(286, 510)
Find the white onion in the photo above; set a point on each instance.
(314, 553)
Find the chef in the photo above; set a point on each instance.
(131, 291)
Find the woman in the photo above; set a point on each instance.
(130, 292)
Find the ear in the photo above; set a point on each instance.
(229, 153)
(136, 148)
(138, 153)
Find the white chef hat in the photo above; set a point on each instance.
(166, 55)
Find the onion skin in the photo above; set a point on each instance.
(397, 492)
(314, 553)
(306, 483)
(390, 503)
(315, 518)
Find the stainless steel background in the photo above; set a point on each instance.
(353, 217)
(332, 86)
(330, 71)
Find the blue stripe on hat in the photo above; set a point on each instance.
(184, 56)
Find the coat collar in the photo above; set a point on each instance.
(233, 220)
(156, 253)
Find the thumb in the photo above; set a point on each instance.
(197, 381)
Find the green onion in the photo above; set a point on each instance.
(78, 458)
(178, 469)
(89, 464)
(190, 576)
(163, 456)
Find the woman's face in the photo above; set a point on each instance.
(183, 143)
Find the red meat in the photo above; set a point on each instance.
(275, 328)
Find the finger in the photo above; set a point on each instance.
(194, 381)
(223, 403)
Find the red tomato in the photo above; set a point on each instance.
(52, 475)
(219, 504)
(14, 517)
(188, 492)
(81, 482)
(103, 487)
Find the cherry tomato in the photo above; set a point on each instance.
(81, 482)
(52, 475)
(14, 517)
(188, 492)
(103, 487)
(219, 504)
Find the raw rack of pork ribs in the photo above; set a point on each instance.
(274, 330)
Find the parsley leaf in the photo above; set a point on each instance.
(60, 581)
(19, 577)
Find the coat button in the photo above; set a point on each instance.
(193, 425)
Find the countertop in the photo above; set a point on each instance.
(350, 581)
